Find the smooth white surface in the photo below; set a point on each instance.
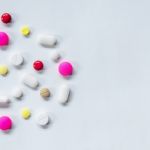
(109, 44)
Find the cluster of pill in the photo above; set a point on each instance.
(65, 69)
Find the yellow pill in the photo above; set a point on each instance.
(3, 70)
(25, 30)
(25, 113)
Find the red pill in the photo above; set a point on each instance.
(38, 65)
(6, 18)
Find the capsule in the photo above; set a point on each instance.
(4, 101)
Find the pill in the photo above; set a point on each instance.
(4, 101)
(42, 118)
(55, 56)
(17, 60)
(47, 40)
(6, 18)
(44, 92)
(30, 81)
(64, 93)
(38, 65)
(5, 123)
(25, 30)
(4, 39)
(25, 113)
(65, 68)
(17, 93)
(3, 70)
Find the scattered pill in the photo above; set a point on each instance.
(30, 81)
(6, 18)
(65, 68)
(25, 113)
(25, 30)
(44, 92)
(38, 65)
(17, 60)
(47, 40)
(4, 39)
(5, 123)
(4, 101)
(42, 118)
(3, 70)
(64, 93)
(55, 56)
(17, 93)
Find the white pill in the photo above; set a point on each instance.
(4, 101)
(63, 94)
(55, 56)
(42, 118)
(47, 40)
(17, 60)
(30, 81)
(17, 93)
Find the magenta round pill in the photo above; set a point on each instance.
(4, 39)
(65, 68)
(5, 123)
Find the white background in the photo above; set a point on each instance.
(108, 43)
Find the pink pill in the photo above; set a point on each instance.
(4, 39)
(5, 123)
(65, 68)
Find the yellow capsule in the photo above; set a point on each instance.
(25, 113)
(3, 70)
(25, 30)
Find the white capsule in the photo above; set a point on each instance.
(17, 93)
(4, 101)
(42, 118)
(47, 40)
(55, 56)
(64, 93)
(17, 60)
(30, 81)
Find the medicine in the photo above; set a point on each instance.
(44, 92)
(4, 39)
(3, 70)
(25, 30)
(4, 101)
(64, 94)
(38, 65)
(17, 93)
(47, 40)
(42, 118)
(5, 123)
(55, 56)
(25, 113)
(30, 81)
(16, 60)
(6, 18)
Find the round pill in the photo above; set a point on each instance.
(17, 60)
(4, 39)
(44, 92)
(17, 93)
(55, 56)
(5, 123)
(6, 18)
(25, 30)
(3, 70)
(42, 118)
(26, 113)
(38, 65)
(65, 69)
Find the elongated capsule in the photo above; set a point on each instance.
(4, 101)
(30, 81)
(64, 93)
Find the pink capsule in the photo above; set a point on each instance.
(65, 68)
(4, 39)
(5, 123)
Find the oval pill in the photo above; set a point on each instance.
(4, 101)
(30, 81)
(25, 113)
(5, 123)
(63, 94)
(42, 118)
(47, 40)
(3, 70)
(17, 60)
